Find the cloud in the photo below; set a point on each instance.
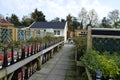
(101, 10)
(53, 8)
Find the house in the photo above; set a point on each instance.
(81, 32)
(5, 24)
(58, 28)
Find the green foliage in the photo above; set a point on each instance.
(57, 19)
(94, 61)
(114, 17)
(69, 22)
(106, 23)
(14, 19)
(81, 43)
(26, 21)
(38, 15)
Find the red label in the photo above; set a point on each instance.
(9, 54)
(1, 57)
(19, 76)
(26, 49)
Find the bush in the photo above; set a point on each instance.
(81, 45)
(94, 61)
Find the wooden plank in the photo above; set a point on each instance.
(106, 36)
(2, 73)
(88, 74)
(79, 63)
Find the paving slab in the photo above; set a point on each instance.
(60, 67)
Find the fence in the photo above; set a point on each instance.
(8, 35)
(102, 39)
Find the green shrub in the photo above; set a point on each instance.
(94, 61)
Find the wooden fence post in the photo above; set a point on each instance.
(34, 34)
(11, 75)
(39, 63)
(89, 39)
(13, 34)
(26, 33)
(16, 34)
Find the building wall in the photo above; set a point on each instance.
(80, 32)
(65, 32)
(61, 32)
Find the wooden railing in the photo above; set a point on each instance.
(27, 65)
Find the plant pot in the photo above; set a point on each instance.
(34, 66)
(29, 72)
(26, 51)
(31, 68)
(23, 73)
(33, 49)
(38, 47)
(20, 76)
(41, 46)
(15, 54)
(19, 53)
(1, 59)
(9, 57)
(30, 49)
(98, 74)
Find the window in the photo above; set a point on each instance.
(56, 32)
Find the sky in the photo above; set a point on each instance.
(57, 8)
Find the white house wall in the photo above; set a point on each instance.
(65, 32)
(61, 32)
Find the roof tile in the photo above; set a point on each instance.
(55, 25)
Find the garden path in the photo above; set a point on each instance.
(60, 67)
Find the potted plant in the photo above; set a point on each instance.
(15, 54)
(26, 51)
(1, 58)
(20, 76)
(102, 65)
(30, 49)
(19, 53)
(9, 56)
(16, 51)
(29, 71)
(23, 73)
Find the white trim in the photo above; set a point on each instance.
(103, 36)
(32, 24)
(65, 32)
(113, 29)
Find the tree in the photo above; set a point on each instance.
(38, 15)
(57, 19)
(69, 22)
(62, 20)
(14, 19)
(106, 23)
(114, 17)
(83, 18)
(75, 23)
(92, 18)
(26, 21)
